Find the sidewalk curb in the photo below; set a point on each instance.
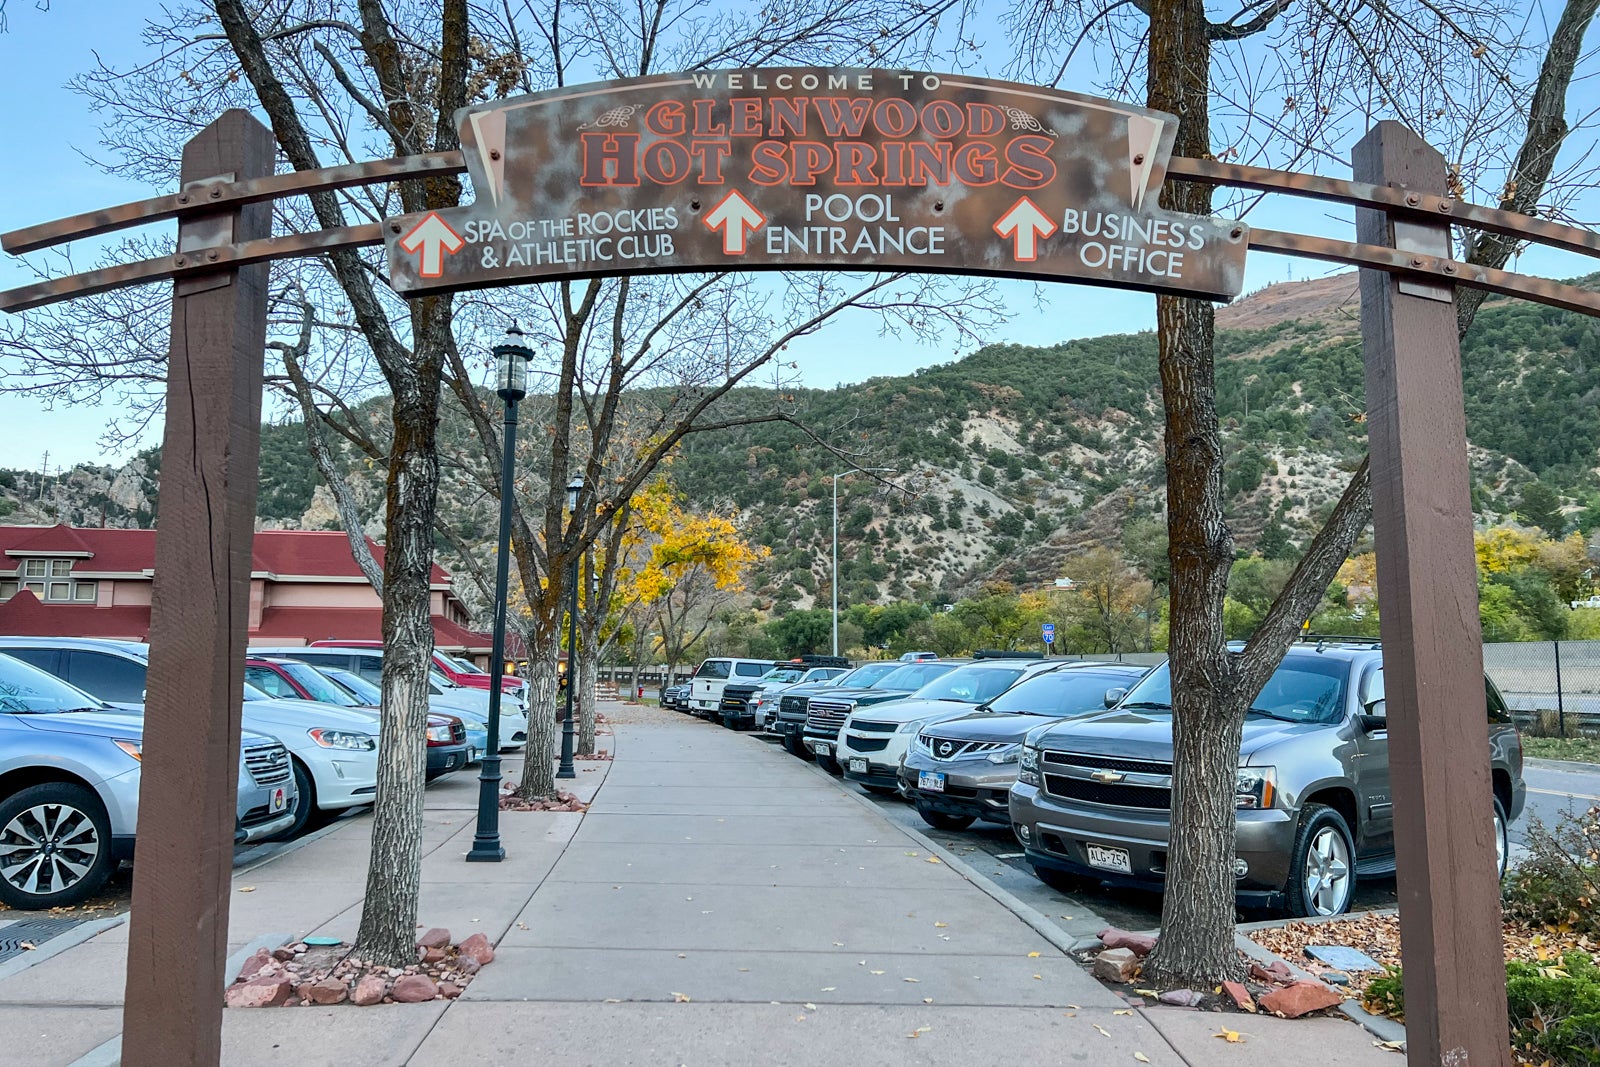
(1382, 1028)
(110, 1053)
(1568, 765)
(1033, 917)
(60, 943)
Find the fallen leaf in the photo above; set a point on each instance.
(744, 969)
(1070, 1014)
(933, 859)
(1141, 1057)
(877, 972)
(913, 979)
(1392, 1046)
(27, 946)
(681, 956)
(1103, 1030)
(247, 889)
(811, 1007)
(1074, 1007)
(681, 998)
(829, 988)
(1039, 977)
(1147, 992)
(1123, 1011)
(927, 1000)
(838, 944)
(942, 926)
(1033, 955)
(613, 1000)
(1232, 1037)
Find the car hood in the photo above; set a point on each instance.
(987, 726)
(1148, 735)
(127, 725)
(859, 694)
(307, 715)
(909, 710)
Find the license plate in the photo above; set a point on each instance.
(822, 748)
(472, 754)
(858, 765)
(932, 781)
(1109, 859)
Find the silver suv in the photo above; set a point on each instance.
(69, 789)
(1314, 808)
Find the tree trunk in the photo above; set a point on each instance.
(588, 674)
(538, 767)
(389, 916)
(1197, 915)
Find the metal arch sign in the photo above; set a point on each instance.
(799, 168)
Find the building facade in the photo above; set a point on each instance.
(63, 581)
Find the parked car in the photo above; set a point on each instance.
(961, 768)
(873, 739)
(827, 712)
(459, 671)
(676, 697)
(450, 747)
(740, 706)
(69, 789)
(917, 657)
(470, 705)
(334, 750)
(1314, 804)
(789, 718)
(705, 688)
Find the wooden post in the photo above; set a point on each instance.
(1432, 640)
(178, 932)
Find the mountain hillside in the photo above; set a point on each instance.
(1013, 459)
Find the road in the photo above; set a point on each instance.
(1555, 787)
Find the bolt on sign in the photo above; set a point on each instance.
(815, 168)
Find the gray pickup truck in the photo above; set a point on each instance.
(1314, 808)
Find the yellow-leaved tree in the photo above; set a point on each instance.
(682, 566)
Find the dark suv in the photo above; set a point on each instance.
(1093, 795)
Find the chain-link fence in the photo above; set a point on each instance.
(1553, 687)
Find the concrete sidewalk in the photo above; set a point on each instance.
(720, 903)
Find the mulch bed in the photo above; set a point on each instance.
(509, 801)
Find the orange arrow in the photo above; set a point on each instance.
(434, 238)
(1025, 223)
(734, 216)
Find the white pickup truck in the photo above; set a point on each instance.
(1591, 602)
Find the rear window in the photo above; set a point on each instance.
(913, 676)
(750, 670)
(715, 669)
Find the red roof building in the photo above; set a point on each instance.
(61, 581)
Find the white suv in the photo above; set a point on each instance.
(874, 739)
(705, 688)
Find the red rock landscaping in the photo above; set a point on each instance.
(299, 975)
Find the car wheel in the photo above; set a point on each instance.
(1322, 877)
(55, 846)
(831, 765)
(305, 805)
(1062, 881)
(1502, 847)
(940, 820)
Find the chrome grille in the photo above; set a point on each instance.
(267, 764)
(827, 715)
(1108, 780)
(1108, 763)
(952, 748)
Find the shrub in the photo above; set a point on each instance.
(1559, 881)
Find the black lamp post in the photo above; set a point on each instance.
(567, 770)
(512, 384)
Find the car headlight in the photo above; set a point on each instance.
(1256, 787)
(351, 742)
(1028, 769)
(439, 734)
(1008, 754)
(132, 748)
(909, 727)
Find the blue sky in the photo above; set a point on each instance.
(45, 175)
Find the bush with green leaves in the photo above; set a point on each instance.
(1553, 1008)
(1559, 881)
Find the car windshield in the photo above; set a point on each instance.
(867, 673)
(464, 667)
(317, 684)
(26, 690)
(970, 685)
(909, 677)
(783, 674)
(357, 686)
(1302, 689)
(1058, 694)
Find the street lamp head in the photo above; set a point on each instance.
(574, 489)
(512, 357)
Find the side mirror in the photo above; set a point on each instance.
(1114, 697)
(1376, 717)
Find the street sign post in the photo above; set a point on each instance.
(1049, 632)
(815, 168)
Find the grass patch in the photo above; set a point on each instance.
(1582, 749)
